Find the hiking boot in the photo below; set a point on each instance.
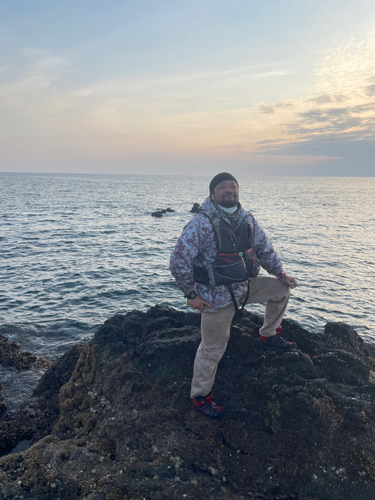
(275, 342)
(208, 407)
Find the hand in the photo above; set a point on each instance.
(289, 280)
(198, 303)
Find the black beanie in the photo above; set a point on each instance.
(224, 176)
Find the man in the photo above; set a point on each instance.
(215, 263)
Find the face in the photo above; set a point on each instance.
(226, 194)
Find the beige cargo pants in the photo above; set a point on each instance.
(215, 329)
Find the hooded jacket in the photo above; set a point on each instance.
(197, 246)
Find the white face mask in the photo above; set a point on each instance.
(230, 210)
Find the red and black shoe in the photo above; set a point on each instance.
(275, 342)
(208, 407)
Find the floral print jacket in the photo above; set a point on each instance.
(197, 246)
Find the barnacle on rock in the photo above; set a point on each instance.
(121, 424)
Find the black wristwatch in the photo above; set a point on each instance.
(191, 295)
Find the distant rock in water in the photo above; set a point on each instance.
(195, 208)
(112, 419)
(160, 213)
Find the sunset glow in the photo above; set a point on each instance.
(262, 88)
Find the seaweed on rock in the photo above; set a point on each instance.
(113, 420)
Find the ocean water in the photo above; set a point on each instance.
(76, 249)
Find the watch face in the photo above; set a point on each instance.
(191, 295)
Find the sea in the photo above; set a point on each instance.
(77, 249)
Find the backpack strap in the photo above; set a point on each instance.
(215, 221)
(239, 312)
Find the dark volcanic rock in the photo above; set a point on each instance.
(40, 412)
(160, 212)
(195, 208)
(300, 425)
(11, 357)
(3, 407)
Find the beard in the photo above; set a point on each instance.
(228, 203)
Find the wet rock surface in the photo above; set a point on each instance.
(38, 414)
(160, 212)
(11, 357)
(112, 419)
(3, 407)
(195, 208)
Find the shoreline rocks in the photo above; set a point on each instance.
(12, 358)
(112, 419)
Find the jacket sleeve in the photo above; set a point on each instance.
(265, 252)
(186, 250)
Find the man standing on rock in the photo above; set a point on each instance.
(216, 263)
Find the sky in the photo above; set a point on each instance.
(259, 88)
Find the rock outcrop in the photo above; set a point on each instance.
(12, 358)
(112, 419)
(3, 407)
(195, 208)
(160, 212)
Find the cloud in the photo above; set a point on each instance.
(200, 115)
(323, 99)
(267, 108)
(167, 83)
(340, 106)
(187, 112)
